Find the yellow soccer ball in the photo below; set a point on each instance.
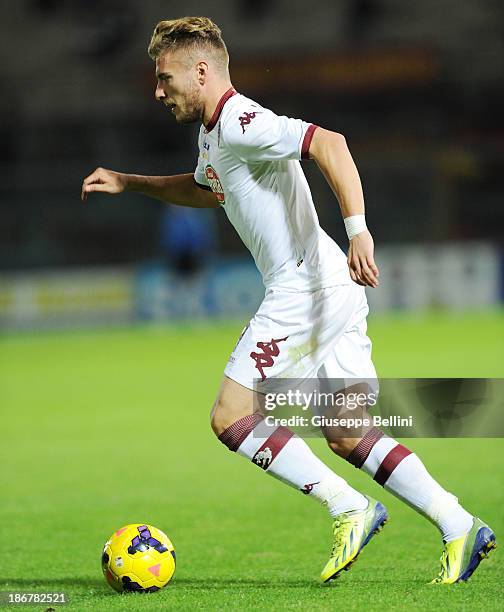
(138, 557)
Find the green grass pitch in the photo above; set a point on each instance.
(103, 428)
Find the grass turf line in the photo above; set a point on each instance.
(110, 427)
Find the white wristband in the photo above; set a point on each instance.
(354, 225)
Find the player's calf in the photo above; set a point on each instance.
(396, 468)
(277, 450)
(399, 470)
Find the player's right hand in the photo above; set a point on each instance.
(104, 181)
(361, 264)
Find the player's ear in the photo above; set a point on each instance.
(202, 72)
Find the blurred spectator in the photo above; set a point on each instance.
(187, 238)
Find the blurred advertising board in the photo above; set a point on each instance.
(413, 278)
(454, 276)
(67, 298)
(224, 289)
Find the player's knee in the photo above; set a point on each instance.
(234, 403)
(334, 446)
(220, 417)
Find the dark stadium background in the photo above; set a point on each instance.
(416, 88)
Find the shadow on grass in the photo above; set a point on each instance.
(273, 583)
(226, 583)
(185, 583)
(69, 581)
(197, 583)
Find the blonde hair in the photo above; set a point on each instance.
(191, 34)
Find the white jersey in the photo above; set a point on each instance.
(249, 157)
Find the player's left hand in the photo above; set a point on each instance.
(361, 264)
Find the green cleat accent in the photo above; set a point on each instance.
(352, 531)
(461, 557)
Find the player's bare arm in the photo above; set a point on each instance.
(178, 189)
(330, 151)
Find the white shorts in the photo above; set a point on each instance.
(299, 335)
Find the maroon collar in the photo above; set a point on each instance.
(218, 109)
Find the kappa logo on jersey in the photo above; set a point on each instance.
(246, 118)
(265, 359)
(263, 458)
(215, 184)
(308, 488)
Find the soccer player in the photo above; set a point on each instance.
(312, 322)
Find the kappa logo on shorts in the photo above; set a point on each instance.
(246, 118)
(265, 359)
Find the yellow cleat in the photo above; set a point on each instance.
(352, 531)
(461, 557)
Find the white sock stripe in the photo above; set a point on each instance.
(378, 453)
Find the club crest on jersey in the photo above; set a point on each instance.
(215, 184)
(246, 118)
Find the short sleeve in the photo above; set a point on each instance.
(199, 174)
(257, 134)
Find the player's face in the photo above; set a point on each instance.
(178, 88)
